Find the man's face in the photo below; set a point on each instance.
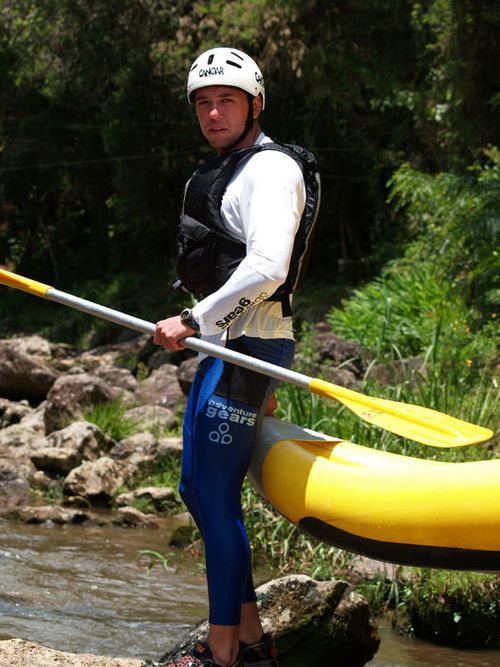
(222, 113)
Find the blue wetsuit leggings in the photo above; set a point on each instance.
(224, 409)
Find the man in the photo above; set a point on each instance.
(243, 213)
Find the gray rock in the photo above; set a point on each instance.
(118, 354)
(161, 388)
(17, 444)
(32, 346)
(186, 373)
(163, 499)
(21, 653)
(49, 513)
(159, 358)
(97, 481)
(85, 438)
(70, 394)
(69, 447)
(14, 485)
(11, 412)
(168, 448)
(340, 376)
(130, 517)
(23, 376)
(136, 449)
(336, 353)
(152, 417)
(313, 623)
(120, 378)
(18, 440)
(57, 460)
(35, 420)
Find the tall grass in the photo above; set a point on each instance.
(279, 545)
(110, 417)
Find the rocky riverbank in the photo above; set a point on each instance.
(48, 450)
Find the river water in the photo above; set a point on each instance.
(86, 589)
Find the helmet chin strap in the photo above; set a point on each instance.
(248, 124)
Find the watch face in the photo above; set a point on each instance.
(187, 318)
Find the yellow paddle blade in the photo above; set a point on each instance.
(414, 422)
(22, 283)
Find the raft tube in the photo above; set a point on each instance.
(393, 508)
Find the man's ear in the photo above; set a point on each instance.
(256, 106)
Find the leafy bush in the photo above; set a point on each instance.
(458, 218)
(449, 276)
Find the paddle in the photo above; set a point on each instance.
(409, 421)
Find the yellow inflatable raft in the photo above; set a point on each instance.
(386, 506)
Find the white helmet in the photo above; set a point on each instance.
(224, 66)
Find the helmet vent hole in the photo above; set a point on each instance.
(194, 67)
(231, 62)
(210, 59)
(236, 55)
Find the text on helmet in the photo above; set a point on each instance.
(211, 71)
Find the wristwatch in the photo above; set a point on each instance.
(188, 319)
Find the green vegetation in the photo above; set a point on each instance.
(456, 608)
(110, 417)
(166, 472)
(279, 545)
(400, 101)
(460, 608)
(96, 138)
(425, 304)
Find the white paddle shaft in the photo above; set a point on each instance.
(143, 326)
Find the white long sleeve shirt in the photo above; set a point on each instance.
(262, 207)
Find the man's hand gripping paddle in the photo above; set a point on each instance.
(409, 421)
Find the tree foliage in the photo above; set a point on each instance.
(96, 138)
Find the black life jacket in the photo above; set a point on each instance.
(207, 254)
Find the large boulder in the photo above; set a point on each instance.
(69, 447)
(20, 441)
(313, 623)
(161, 388)
(32, 346)
(84, 436)
(97, 481)
(70, 394)
(56, 460)
(24, 376)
